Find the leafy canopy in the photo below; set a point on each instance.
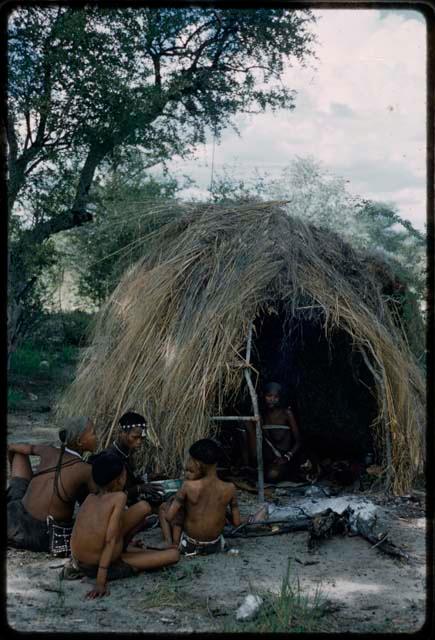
(92, 80)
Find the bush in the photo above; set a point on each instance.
(67, 355)
(63, 328)
(15, 398)
(75, 327)
(26, 360)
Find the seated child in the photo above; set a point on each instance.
(205, 501)
(281, 438)
(171, 531)
(102, 526)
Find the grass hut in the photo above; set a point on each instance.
(328, 322)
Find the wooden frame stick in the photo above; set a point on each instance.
(258, 434)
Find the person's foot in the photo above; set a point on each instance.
(70, 572)
(135, 545)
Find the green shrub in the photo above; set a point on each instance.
(60, 328)
(75, 327)
(15, 398)
(26, 360)
(67, 355)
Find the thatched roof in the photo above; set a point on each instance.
(170, 340)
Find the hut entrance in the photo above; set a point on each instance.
(329, 386)
(326, 381)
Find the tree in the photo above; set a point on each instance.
(316, 195)
(87, 84)
(125, 202)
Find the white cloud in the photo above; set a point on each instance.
(361, 111)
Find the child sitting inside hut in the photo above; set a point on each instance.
(40, 504)
(103, 526)
(281, 440)
(205, 501)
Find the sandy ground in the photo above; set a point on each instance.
(367, 591)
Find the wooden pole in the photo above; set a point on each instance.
(227, 418)
(258, 434)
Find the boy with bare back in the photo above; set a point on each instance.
(205, 501)
(281, 439)
(171, 531)
(103, 526)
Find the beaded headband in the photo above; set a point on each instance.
(128, 427)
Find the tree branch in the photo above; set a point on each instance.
(29, 131)
(12, 138)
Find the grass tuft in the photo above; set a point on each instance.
(291, 610)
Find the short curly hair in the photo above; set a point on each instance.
(205, 451)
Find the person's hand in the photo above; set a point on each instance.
(280, 460)
(98, 592)
(151, 492)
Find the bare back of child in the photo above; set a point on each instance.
(102, 527)
(171, 531)
(205, 502)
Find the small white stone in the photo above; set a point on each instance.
(249, 607)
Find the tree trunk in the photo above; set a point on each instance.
(76, 216)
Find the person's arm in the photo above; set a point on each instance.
(111, 538)
(27, 449)
(177, 503)
(295, 432)
(88, 486)
(235, 511)
(136, 489)
(146, 491)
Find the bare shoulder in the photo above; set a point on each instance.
(118, 498)
(105, 503)
(85, 467)
(229, 488)
(191, 486)
(82, 470)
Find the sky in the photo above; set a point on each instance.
(360, 110)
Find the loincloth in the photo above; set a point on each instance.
(190, 547)
(24, 531)
(116, 571)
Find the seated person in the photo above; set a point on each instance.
(131, 433)
(281, 440)
(40, 504)
(171, 531)
(205, 501)
(103, 526)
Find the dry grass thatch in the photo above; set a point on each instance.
(170, 340)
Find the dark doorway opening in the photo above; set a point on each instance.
(325, 381)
